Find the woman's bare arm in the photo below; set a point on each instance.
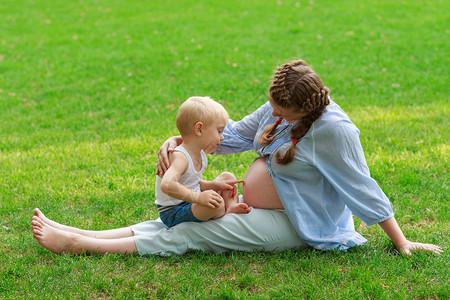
(392, 229)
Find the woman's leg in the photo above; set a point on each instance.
(58, 241)
(104, 234)
(259, 230)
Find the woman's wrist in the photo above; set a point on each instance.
(401, 243)
(178, 140)
(394, 232)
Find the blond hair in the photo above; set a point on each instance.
(198, 109)
(296, 87)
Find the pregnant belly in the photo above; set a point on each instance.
(258, 189)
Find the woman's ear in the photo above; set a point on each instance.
(198, 128)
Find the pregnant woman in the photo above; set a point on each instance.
(310, 163)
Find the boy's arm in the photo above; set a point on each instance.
(206, 185)
(220, 186)
(170, 184)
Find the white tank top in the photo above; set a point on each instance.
(190, 179)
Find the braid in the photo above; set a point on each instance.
(278, 87)
(298, 62)
(319, 99)
(267, 135)
(297, 132)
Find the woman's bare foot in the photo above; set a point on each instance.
(238, 208)
(52, 238)
(46, 220)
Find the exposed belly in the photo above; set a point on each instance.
(258, 189)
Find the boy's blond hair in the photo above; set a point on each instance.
(198, 109)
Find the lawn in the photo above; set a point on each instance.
(89, 91)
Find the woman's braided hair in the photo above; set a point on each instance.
(296, 87)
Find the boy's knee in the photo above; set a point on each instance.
(220, 210)
(221, 207)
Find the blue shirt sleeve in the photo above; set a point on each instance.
(240, 136)
(328, 181)
(344, 166)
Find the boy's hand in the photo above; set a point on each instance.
(227, 185)
(210, 199)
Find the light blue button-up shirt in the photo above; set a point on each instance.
(327, 181)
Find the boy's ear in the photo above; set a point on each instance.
(198, 128)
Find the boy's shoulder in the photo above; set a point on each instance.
(178, 162)
(178, 156)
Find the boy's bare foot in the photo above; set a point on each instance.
(52, 238)
(238, 208)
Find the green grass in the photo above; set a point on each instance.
(89, 91)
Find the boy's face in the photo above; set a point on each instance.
(212, 134)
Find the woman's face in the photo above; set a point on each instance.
(285, 113)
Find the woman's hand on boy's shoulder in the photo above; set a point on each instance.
(163, 162)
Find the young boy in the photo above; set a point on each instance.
(181, 194)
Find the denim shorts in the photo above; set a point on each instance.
(176, 214)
